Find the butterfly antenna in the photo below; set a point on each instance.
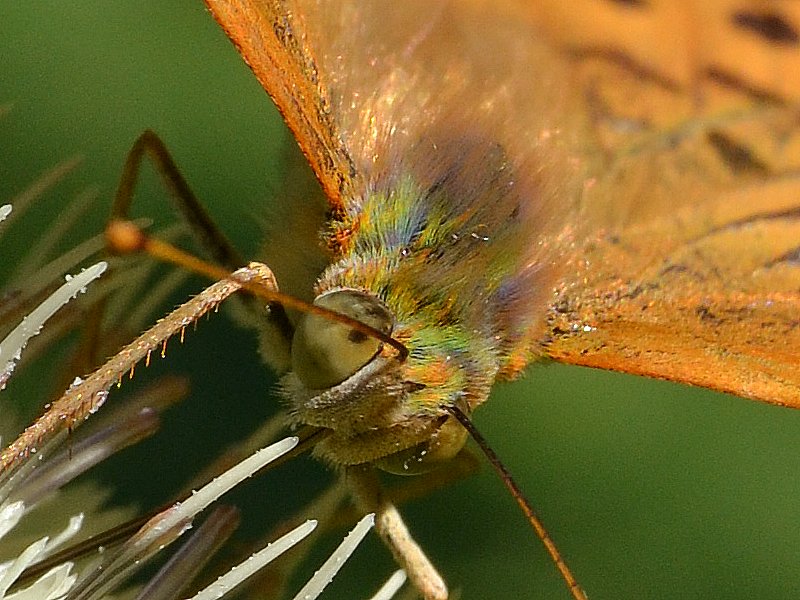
(522, 501)
(125, 237)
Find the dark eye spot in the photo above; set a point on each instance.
(357, 337)
(413, 386)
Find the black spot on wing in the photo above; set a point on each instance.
(739, 158)
(736, 82)
(631, 3)
(771, 26)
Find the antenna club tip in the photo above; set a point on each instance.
(124, 237)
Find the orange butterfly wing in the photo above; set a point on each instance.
(271, 38)
(695, 274)
(685, 264)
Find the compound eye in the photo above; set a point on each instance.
(325, 352)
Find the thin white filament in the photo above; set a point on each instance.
(170, 524)
(11, 347)
(330, 567)
(257, 561)
(233, 476)
(391, 587)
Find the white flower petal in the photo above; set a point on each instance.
(51, 586)
(69, 532)
(15, 567)
(10, 514)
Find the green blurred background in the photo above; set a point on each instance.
(650, 489)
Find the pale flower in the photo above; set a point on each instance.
(34, 492)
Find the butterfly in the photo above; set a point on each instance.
(565, 345)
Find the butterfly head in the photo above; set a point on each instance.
(379, 407)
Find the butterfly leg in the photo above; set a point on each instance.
(367, 491)
(278, 328)
(149, 145)
(82, 400)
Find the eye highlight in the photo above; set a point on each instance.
(324, 352)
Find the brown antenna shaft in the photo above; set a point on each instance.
(125, 237)
(522, 501)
